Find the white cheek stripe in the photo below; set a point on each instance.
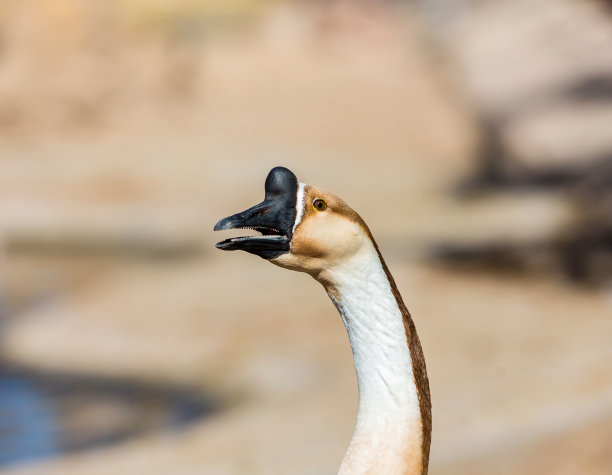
(299, 206)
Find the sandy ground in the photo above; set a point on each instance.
(519, 365)
(515, 384)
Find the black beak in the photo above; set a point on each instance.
(273, 218)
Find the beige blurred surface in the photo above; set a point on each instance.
(131, 145)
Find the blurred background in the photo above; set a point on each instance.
(475, 139)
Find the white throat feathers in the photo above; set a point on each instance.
(388, 435)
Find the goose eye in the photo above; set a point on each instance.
(319, 204)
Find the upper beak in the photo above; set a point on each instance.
(246, 219)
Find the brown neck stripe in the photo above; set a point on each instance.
(418, 365)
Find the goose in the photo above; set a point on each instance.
(304, 228)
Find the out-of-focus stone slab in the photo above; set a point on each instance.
(541, 71)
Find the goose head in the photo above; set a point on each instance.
(302, 227)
